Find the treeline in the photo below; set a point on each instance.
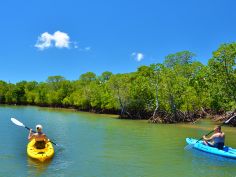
(180, 89)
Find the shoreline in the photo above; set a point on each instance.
(214, 117)
(64, 109)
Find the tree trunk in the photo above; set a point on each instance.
(157, 103)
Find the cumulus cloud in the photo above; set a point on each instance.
(61, 39)
(58, 39)
(44, 41)
(138, 56)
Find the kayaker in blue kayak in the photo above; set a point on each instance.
(217, 139)
(40, 138)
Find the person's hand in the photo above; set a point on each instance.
(31, 130)
(204, 137)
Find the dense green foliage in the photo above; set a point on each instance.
(179, 85)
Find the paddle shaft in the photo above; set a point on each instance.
(29, 129)
(225, 122)
(191, 145)
(205, 135)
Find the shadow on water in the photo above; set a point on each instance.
(37, 168)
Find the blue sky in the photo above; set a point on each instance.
(47, 37)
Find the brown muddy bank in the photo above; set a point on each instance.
(158, 117)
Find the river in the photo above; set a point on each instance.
(96, 145)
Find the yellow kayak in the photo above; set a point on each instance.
(40, 154)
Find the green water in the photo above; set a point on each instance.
(103, 146)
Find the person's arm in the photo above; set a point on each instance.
(223, 134)
(31, 134)
(208, 139)
(46, 139)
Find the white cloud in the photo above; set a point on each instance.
(44, 41)
(61, 39)
(58, 39)
(138, 56)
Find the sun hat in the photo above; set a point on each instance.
(39, 127)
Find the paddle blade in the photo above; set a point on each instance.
(15, 121)
(189, 146)
(229, 119)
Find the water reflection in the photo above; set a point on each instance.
(205, 164)
(211, 159)
(37, 168)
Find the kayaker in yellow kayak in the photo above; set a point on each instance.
(218, 138)
(40, 138)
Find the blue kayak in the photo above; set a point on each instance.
(226, 152)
